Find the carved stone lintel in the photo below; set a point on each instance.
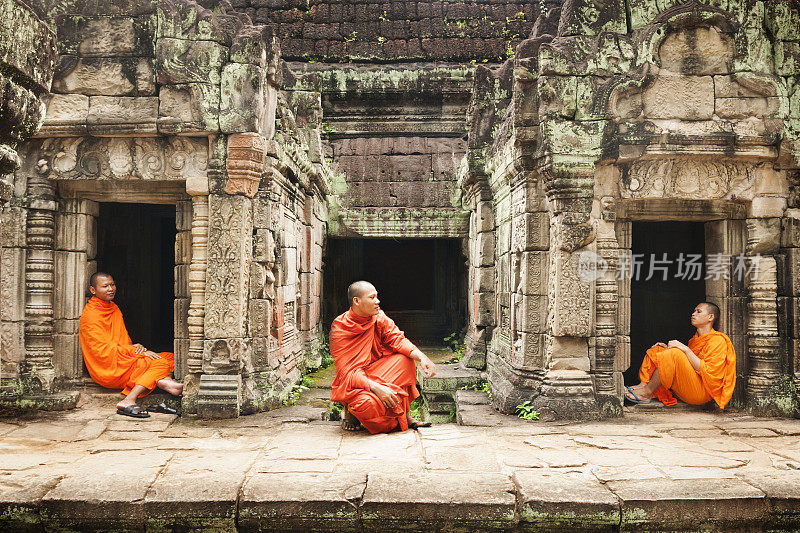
(245, 163)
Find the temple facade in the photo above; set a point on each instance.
(507, 170)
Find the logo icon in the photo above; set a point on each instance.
(591, 266)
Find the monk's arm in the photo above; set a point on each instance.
(695, 361)
(427, 365)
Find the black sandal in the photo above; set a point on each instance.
(163, 408)
(133, 411)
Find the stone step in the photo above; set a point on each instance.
(439, 391)
(473, 408)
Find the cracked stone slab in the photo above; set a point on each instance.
(461, 500)
(293, 443)
(529, 457)
(300, 501)
(554, 499)
(619, 473)
(678, 504)
(199, 490)
(751, 432)
(106, 490)
(61, 431)
(687, 457)
(459, 459)
(387, 446)
(783, 493)
(21, 492)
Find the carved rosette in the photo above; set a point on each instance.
(245, 163)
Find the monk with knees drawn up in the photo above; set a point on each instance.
(704, 370)
(375, 366)
(113, 360)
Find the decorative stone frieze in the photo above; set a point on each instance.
(245, 163)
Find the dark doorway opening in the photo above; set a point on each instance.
(661, 308)
(136, 245)
(421, 282)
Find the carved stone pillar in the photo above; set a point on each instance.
(38, 368)
(567, 390)
(608, 383)
(198, 189)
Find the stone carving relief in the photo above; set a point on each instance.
(691, 179)
(156, 158)
(229, 236)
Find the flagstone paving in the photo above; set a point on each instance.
(670, 469)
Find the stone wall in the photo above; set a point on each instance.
(397, 31)
(167, 102)
(624, 111)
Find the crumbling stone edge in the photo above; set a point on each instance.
(356, 505)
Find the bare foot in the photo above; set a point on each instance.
(414, 424)
(171, 386)
(122, 404)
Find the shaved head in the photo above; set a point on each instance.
(358, 288)
(712, 309)
(96, 276)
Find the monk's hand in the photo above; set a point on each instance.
(138, 348)
(661, 344)
(151, 355)
(676, 344)
(427, 366)
(386, 395)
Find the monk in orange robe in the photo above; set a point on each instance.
(112, 360)
(376, 377)
(704, 370)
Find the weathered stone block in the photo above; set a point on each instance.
(740, 108)
(183, 248)
(766, 207)
(529, 351)
(260, 317)
(485, 214)
(74, 231)
(484, 306)
(530, 231)
(790, 236)
(787, 58)
(557, 96)
(219, 396)
(531, 313)
(112, 115)
(181, 281)
(106, 36)
(71, 283)
(592, 17)
(192, 107)
(484, 249)
(179, 61)
(622, 353)
(132, 76)
(248, 102)
(68, 358)
(12, 227)
(697, 51)
(793, 261)
(484, 279)
(180, 310)
(12, 287)
(66, 113)
(533, 268)
(225, 355)
(572, 300)
(12, 347)
(682, 97)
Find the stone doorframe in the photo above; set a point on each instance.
(741, 204)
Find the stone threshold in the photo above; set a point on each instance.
(521, 500)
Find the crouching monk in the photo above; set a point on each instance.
(375, 366)
(704, 370)
(113, 361)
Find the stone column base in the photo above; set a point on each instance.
(13, 401)
(219, 396)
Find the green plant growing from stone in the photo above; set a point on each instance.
(415, 410)
(481, 386)
(381, 40)
(352, 37)
(452, 342)
(305, 384)
(526, 411)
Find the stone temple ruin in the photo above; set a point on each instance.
(490, 165)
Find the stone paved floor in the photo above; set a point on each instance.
(92, 469)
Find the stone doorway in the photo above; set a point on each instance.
(421, 282)
(136, 245)
(667, 272)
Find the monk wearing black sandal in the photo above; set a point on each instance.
(113, 360)
(376, 374)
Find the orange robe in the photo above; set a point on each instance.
(372, 348)
(715, 381)
(108, 353)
